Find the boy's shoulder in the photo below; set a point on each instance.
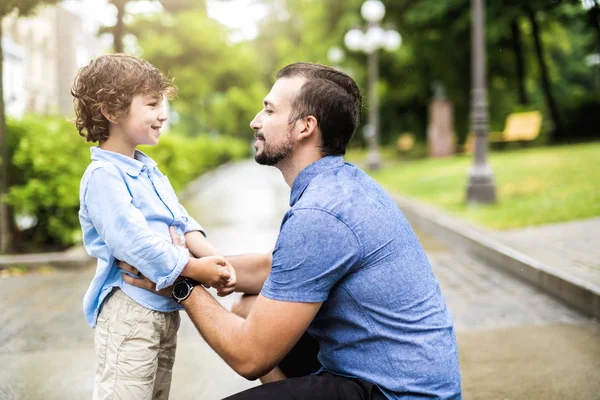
(100, 164)
(106, 167)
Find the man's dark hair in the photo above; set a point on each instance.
(332, 97)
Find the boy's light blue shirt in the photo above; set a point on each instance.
(126, 208)
(345, 243)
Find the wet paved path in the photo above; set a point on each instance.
(514, 341)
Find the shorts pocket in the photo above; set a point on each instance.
(138, 358)
(101, 343)
(138, 353)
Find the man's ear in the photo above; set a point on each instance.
(107, 115)
(308, 127)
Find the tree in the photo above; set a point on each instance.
(519, 60)
(23, 7)
(551, 45)
(544, 75)
(220, 87)
(119, 29)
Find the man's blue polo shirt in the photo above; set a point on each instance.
(345, 243)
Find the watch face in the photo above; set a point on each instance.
(180, 290)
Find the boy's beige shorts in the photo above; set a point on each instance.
(135, 350)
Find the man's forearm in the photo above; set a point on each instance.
(225, 332)
(251, 270)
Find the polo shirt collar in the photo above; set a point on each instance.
(132, 166)
(307, 174)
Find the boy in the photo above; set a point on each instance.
(127, 208)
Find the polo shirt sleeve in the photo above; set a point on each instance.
(313, 252)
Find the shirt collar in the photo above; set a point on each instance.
(133, 166)
(308, 173)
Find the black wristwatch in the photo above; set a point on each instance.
(183, 288)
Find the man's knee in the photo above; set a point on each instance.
(243, 305)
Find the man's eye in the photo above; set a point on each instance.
(268, 111)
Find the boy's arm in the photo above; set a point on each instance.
(251, 270)
(125, 231)
(198, 245)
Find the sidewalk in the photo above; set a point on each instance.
(571, 247)
(562, 259)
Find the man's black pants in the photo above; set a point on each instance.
(299, 365)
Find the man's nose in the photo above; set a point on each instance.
(255, 123)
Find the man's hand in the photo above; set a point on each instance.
(141, 281)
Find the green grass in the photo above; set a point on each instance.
(534, 186)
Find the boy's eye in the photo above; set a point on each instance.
(152, 104)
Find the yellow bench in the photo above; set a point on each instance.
(405, 142)
(523, 126)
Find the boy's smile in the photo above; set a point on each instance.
(141, 125)
(144, 121)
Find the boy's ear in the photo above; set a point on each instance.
(107, 115)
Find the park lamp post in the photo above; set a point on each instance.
(370, 41)
(481, 187)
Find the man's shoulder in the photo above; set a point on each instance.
(338, 189)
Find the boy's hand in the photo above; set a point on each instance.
(229, 286)
(211, 271)
(224, 288)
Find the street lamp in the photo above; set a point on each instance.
(481, 187)
(370, 41)
(335, 55)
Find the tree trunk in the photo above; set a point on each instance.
(518, 50)
(119, 30)
(546, 86)
(594, 20)
(6, 237)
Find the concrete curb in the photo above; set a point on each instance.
(75, 257)
(573, 291)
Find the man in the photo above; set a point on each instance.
(347, 268)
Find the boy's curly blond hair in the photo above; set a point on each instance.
(109, 82)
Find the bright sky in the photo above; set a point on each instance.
(241, 16)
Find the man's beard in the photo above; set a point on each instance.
(271, 155)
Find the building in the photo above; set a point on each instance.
(42, 53)
(13, 78)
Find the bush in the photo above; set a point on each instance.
(49, 158)
(183, 159)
